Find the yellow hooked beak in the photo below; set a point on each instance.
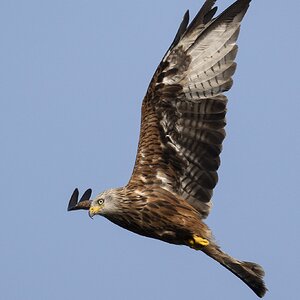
(94, 210)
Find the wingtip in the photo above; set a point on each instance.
(73, 200)
(83, 203)
(86, 195)
(186, 16)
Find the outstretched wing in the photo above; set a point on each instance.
(83, 203)
(183, 112)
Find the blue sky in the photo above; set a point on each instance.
(72, 78)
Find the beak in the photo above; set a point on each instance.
(93, 211)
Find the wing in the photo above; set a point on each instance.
(83, 203)
(183, 112)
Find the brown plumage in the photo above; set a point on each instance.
(182, 130)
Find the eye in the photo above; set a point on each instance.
(100, 201)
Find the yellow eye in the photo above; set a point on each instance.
(100, 201)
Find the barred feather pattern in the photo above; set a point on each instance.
(250, 273)
(183, 112)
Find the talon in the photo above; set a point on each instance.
(197, 242)
(200, 240)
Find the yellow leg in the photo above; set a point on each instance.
(197, 242)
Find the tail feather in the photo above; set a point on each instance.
(249, 272)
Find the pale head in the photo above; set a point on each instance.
(106, 203)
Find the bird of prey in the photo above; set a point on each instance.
(182, 130)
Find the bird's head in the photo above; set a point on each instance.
(105, 203)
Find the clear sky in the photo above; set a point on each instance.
(72, 78)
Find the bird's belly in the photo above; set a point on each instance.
(164, 232)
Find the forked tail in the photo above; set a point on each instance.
(251, 273)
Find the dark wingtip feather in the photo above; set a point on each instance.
(238, 7)
(204, 15)
(86, 196)
(210, 15)
(73, 200)
(83, 203)
(181, 30)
